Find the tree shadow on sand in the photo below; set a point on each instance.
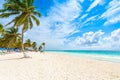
(15, 58)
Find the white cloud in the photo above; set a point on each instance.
(115, 35)
(65, 12)
(94, 4)
(81, 1)
(113, 13)
(90, 19)
(112, 20)
(97, 40)
(88, 39)
(83, 16)
(87, 21)
(114, 39)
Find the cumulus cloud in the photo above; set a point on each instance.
(112, 15)
(97, 40)
(115, 35)
(114, 39)
(89, 38)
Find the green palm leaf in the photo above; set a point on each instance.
(4, 15)
(1, 27)
(30, 22)
(36, 20)
(37, 13)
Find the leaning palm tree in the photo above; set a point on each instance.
(43, 44)
(41, 47)
(25, 15)
(34, 44)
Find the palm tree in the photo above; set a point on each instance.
(34, 44)
(25, 14)
(41, 46)
(18, 44)
(27, 43)
(10, 37)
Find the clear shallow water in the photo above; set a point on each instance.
(112, 56)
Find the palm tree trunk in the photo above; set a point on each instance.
(8, 47)
(23, 44)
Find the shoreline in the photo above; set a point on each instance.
(52, 66)
(100, 57)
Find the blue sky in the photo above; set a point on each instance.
(77, 24)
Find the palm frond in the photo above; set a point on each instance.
(37, 13)
(30, 23)
(4, 15)
(1, 28)
(36, 20)
(10, 22)
(31, 8)
(12, 6)
(21, 18)
(3, 10)
(25, 25)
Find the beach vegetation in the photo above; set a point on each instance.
(42, 47)
(24, 13)
(34, 46)
(1, 29)
(27, 43)
(10, 38)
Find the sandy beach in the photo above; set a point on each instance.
(52, 66)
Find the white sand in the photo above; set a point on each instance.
(50, 66)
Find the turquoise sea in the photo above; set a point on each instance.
(104, 55)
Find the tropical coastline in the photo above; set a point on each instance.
(103, 55)
(74, 40)
(56, 66)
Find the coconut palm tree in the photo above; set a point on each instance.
(43, 44)
(25, 14)
(41, 47)
(27, 43)
(10, 37)
(34, 44)
(18, 44)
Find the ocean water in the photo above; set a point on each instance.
(111, 56)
